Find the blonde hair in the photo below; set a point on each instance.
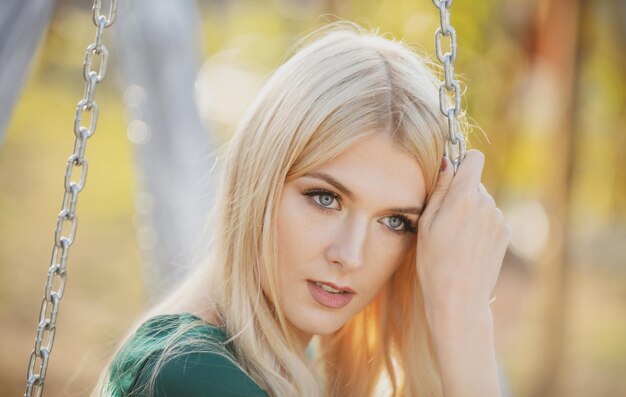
(343, 85)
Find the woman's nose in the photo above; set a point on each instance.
(347, 247)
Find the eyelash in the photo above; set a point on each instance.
(408, 227)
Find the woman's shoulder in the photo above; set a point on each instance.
(183, 325)
(180, 354)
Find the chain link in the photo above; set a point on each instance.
(450, 89)
(57, 273)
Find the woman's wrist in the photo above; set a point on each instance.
(466, 355)
(446, 323)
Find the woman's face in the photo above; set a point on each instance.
(348, 223)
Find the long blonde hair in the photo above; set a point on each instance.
(342, 85)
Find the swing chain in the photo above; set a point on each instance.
(57, 274)
(450, 89)
(97, 5)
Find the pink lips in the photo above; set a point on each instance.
(325, 298)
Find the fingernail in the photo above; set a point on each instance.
(443, 165)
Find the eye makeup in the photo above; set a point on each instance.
(317, 192)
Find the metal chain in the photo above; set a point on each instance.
(450, 90)
(67, 218)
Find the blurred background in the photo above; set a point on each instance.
(544, 80)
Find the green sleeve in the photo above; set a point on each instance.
(201, 374)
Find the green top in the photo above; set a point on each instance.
(196, 362)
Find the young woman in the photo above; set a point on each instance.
(346, 251)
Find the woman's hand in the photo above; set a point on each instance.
(461, 241)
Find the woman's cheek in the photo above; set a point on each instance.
(301, 226)
(389, 252)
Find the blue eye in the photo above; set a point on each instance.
(395, 222)
(400, 224)
(324, 198)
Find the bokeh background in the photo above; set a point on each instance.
(544, 80)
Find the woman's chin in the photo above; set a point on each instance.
(326, 324)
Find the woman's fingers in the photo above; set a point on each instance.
(486, 195)
(470, 171)
(439, 192)
(463, 213)
(466, 180)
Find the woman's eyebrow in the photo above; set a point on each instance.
(343, 189)
(329, 179)
(408, 210)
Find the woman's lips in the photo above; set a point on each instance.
(328, 299)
